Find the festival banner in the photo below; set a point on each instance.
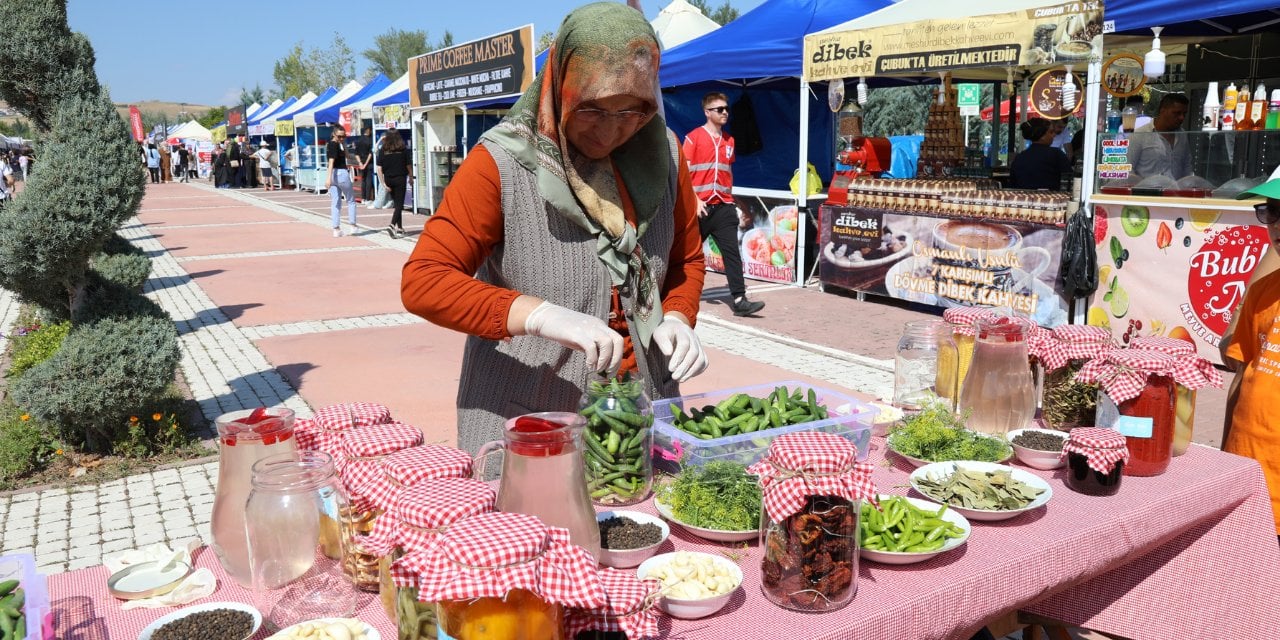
(1176, 272)
(1068, 32)
(284, 128)
(768, 246)
(218, 134)
(392, 116)
(135, 124)
(944, 262)
(493, 67)
(236, 125)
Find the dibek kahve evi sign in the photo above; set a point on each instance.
(496, 66)
(1051, 34)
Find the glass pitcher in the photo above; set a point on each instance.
(542, 474)
(243, 439)
(999, 389)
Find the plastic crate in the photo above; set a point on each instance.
(22, 567)
(674, 448)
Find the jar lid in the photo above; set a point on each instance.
(422, 512)
(339, 417)
(1101, 447)
(362, 450)
(307, 433)
(630, 607)
(1190, 370)
(963, 319)
(810, 463)
(412, 466)
(1075, 342)
(1072, 333)
(1123, 373)
(488, 555)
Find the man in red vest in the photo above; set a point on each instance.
(710, 154)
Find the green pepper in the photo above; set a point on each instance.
(596, 447)
(611, 444)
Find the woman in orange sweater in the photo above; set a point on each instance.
(567, 242)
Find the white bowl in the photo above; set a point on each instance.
(716, 535)
(208, 606)
(920, 462)
(627, 558)
(370, 632)
(887, 417)
(1034, 458)
(905, 557)
(692, 609)
(943, 469)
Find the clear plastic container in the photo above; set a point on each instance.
(293, 580)
(22, 567)
(619, 437)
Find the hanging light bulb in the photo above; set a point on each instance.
(1153, 62)
(862, 90)
(1068, 92)
(942, 88)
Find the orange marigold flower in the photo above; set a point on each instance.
(58, 452)
(157, 416)
(25, 417)
(174, 427)
(133, 419)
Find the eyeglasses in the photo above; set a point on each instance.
(718, 109)
(593, 116)
(1268, 212)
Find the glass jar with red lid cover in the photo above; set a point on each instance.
(1137, 397)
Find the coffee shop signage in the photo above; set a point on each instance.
(944, 262)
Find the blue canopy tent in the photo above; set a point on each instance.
(1204, 18)
(330, 114)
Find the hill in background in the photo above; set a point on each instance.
(169, 109)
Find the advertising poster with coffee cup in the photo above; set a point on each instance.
(767, 241)
(945, 262)
(1174, 272)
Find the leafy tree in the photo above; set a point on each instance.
(213, 116)
(894, 111)
(302, 70)
(336, 65)
(250, 96)
(721, 15)
(392, 50)
(18, 127)
(545, 40)
(294, 73)
(47, 63)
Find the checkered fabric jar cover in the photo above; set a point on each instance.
(630, 608)
(363, 449)
(421, 512)
(488, 555)
(1123, 373)
(413, 466)
(1038, 340)
(305, 430)
(811, 463)
(1075, 342)
(1103, 448)
(328, 424)
(1190, 370)
(964, 320)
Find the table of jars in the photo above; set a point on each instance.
(1189, 553)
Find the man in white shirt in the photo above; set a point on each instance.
(6, 181)
(1157, 149)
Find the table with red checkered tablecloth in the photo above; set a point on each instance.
(1191, 553)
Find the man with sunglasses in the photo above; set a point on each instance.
(709, 151)
(1253, 351)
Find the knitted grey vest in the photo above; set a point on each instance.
(554, 259)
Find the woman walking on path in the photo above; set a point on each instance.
(393, 170)
(153, 163)
(338, 183)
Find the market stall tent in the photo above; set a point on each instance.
(680, 22)
(1203, 18)
(332, 112)
(306, 99)
(390, 92)
(307, 116)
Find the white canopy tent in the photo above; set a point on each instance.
(366, 106)
(308, 118)
(680, 22)
(191, 130)
(302, 102)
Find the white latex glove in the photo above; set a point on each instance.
(677, 341)
(577, 331)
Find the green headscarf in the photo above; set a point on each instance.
(602, 49)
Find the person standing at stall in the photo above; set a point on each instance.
(1253, 351)
(153, 163)
(364, 156)
(709, 151)
(338, 183)
(393, 171)
(1156, 149)
(1039, 166)
(566, 243)
(266, 162)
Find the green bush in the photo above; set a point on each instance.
(105, 369)
(34, 347)
(47, 64)
(158, 429)
(127, 270)
(106, 299)
(24, 444)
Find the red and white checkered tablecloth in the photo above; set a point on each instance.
(1191, 553)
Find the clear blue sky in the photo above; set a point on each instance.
(180, 51)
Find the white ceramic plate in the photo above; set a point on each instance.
(903, 557)
(944, 469)
(370, 633)
(1035, 458)
(692, 609)
(708, 534)
(918, 462)
(208, 606)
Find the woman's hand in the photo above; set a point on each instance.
(577, 331)
(676, 340)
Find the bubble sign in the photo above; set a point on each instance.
(1217, 276)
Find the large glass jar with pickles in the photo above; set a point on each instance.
(618, 438)
(1195, 373)
(421, 514)
(1068, 403)
(491, 575)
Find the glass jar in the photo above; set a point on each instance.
(999, 390)
(292, 580)
(619, 439)
(363, 451)
(1069, 403)
(926, 364)
(1185, 412)
(1095, 461)
(1147, 422)
(811, 558)
(521, 615)
(243, 439)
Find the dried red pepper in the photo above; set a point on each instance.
(810, 558)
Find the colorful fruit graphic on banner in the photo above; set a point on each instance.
(1099, 224)
(1219, 271)
(1134, 219)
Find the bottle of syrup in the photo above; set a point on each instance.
(1242, 108)
(1258, 108)
(1229, 108)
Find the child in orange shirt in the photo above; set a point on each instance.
(1254, 352)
